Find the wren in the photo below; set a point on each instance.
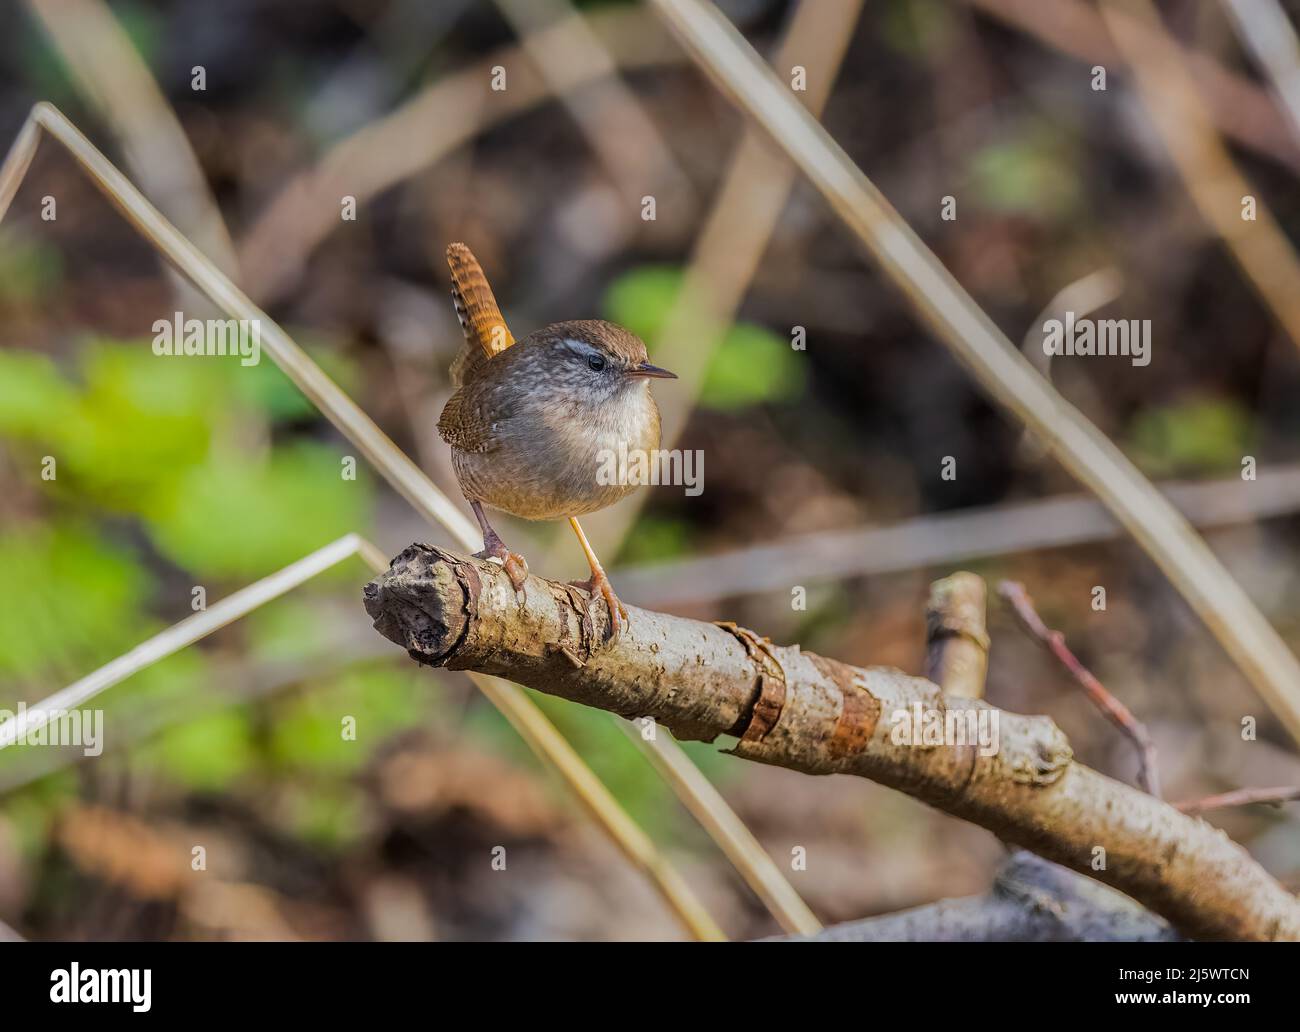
(530, 419)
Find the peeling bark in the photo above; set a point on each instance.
(795, 709)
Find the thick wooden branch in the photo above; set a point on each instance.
(1030, 901)
(799, 710)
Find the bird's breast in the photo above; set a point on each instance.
(553, 459)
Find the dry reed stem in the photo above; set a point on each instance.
(716, 816)
(943, 539)
(107, 69)
(180, 635)
(611, 118)
(424, 129)
(1241, 109)
(1259, 247)
(954, 317)
(1271, 39)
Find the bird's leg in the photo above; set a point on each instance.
(599, 582)
(516, 566)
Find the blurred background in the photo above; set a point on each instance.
(176, 473)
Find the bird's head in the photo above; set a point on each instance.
(596, 361)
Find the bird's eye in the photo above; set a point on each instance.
(596, 363)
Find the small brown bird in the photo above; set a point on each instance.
(532, 422)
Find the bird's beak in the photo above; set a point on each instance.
(646, 369)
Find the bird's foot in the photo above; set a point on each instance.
(598, 582)
(516, 566)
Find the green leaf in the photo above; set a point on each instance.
(137, 421)
(141, 421)
(1031, 174)
(329, 815)
(206, 753)
(751, 366)
(264, 387)
(1198, 435)
(641, 298)
(655, 538)
(76, 600)
(31, 270)
(241, 517)
(307, 729)
(35, 399)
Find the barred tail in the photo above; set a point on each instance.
(476, 307)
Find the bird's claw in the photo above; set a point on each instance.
(516, 566)
(598, 582)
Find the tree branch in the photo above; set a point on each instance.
(956, 639)
(799, 710)
(1031, 901)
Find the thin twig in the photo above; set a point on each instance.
(1031, 897)
(1114, 710)
(1240, 797)
(955, 318)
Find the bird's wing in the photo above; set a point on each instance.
(486, 332)
(472, 418)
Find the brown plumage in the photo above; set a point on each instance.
(476, 305)
(532, 422)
